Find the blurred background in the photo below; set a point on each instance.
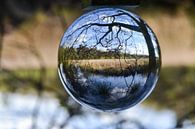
(32, 97)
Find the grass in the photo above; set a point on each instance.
(111, 63)
(112, 66)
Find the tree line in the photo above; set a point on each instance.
(83, 52)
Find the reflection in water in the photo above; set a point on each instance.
(17, 114)
(116, 86)
(109, 59)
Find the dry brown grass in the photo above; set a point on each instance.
(110, 63)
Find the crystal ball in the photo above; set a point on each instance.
(109, 59)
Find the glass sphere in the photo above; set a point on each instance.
(109, 59)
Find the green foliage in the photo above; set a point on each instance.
(175, 89)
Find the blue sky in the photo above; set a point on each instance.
(135, 44)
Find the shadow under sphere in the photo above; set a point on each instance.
(109, 59)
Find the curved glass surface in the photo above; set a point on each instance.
(109, 59)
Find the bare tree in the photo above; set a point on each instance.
(108, 33)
